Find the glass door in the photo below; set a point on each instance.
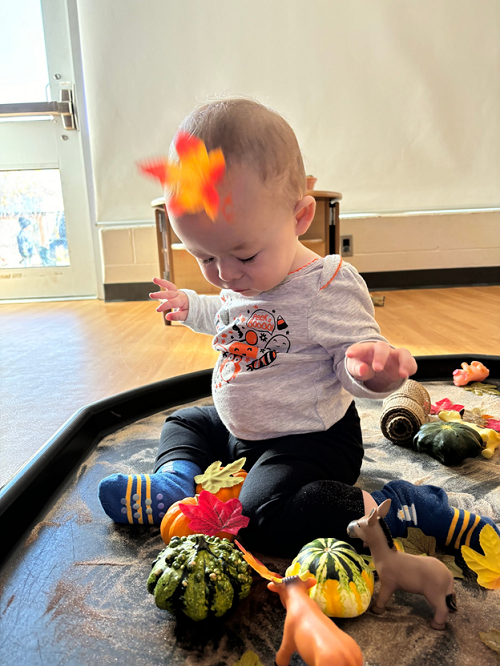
(46, 248)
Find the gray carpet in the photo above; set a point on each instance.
(77, 593)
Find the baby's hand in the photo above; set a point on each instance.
(378, 365)
(172, 299)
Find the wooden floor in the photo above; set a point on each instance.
(58, 357)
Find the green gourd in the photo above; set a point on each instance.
(199, 576)
(450, 443)
(344, 585)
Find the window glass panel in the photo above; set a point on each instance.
(32, 221)
(23, 63)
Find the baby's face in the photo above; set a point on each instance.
(252, 245)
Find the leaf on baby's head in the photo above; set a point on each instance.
(211, 516)
(156, 168)
(216, 477)
(190, 181)
(487, 566)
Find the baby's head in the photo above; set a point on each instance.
(250, 134)
(253, 242)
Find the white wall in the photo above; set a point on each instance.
(426, 241)
(396, 103)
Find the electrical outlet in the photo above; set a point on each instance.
(346, 247)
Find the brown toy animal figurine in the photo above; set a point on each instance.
(402, 571)
(308, 630)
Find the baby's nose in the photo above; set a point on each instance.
(229, 272)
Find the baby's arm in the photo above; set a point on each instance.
(173, 299)
(378, 365)
(342, 320)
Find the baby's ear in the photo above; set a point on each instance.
(304, 213)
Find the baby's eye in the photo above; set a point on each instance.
(249, 260)
(206, 261)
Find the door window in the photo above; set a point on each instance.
(32, 220)
(23, 65)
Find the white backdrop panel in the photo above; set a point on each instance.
(396, 103)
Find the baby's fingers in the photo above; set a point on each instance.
(166, 305)
(177, 301)
(407, 364)
(361, 351)
(165, 284)
(381, 352)
(163, 294)
(178, 315)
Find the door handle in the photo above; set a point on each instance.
(64, 107)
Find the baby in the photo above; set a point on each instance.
(297, 340)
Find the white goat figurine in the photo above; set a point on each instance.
(402, 571)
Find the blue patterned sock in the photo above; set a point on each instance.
(143, 499)
(427, 508)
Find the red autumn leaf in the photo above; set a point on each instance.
(211, 516)
(494, 424)
(445, 405)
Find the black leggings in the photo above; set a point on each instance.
(294, 482)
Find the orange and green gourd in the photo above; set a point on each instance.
(345, 583)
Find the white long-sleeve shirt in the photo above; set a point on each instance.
(282, 366)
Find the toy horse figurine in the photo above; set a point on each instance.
(308, 630)
(402, 571)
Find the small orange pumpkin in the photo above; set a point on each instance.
(175, 523)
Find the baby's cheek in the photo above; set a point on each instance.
(210, 273)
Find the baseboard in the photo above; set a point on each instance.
(128, 291)
(433, 278)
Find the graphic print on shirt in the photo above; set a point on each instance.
(248, 343)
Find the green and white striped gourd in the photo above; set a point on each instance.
(199, 576)
(344, 585)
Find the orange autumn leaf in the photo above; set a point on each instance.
(156, 168)
(487, 566)
(191, 181)
(256, 564)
